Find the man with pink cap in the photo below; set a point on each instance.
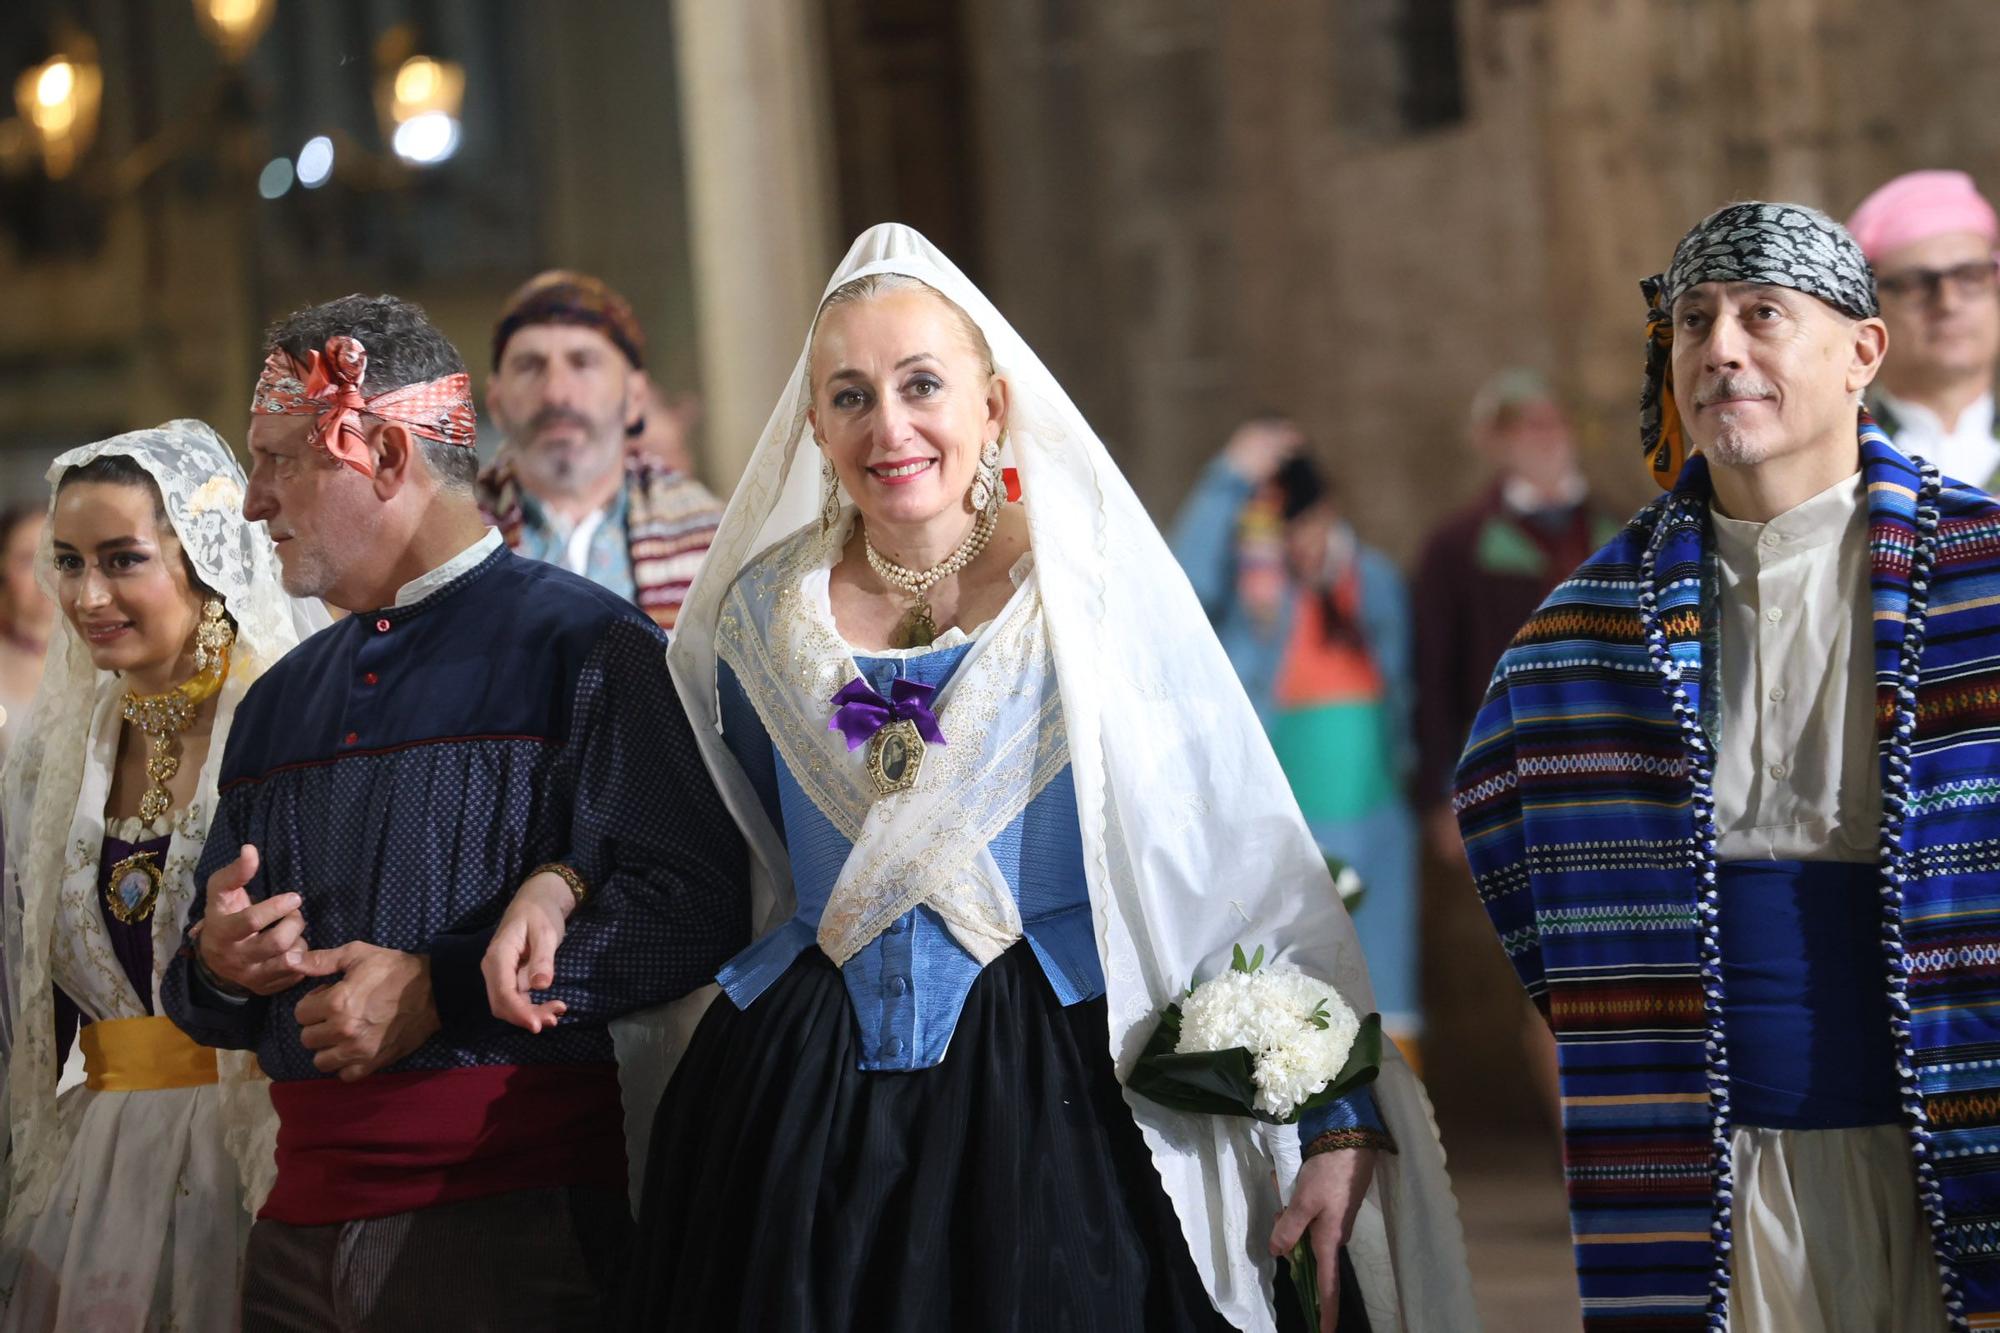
(1931, 236)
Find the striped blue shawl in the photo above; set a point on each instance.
(1585, 800)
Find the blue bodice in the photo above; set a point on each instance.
(909, 984)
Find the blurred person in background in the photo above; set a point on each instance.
(1486, 566)
(1481, 571)
(571, 486)
(1317, 625)
(1748, 887)
(1930, 236)
(666, 433)
(26, 614)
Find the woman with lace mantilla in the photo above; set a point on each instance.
(1005, 798)
(131, 1195)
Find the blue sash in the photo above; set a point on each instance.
(1805, 995)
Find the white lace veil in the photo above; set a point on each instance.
(67, 748)
(1192, 839)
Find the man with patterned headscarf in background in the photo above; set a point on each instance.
(1931, 237)
(570, 391)
(1730, 804)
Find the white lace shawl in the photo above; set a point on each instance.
(58, 777)
(1192, 839)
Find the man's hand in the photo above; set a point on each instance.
(1326, 1197)
(522, 956)
(379, 1011)
(254, 947)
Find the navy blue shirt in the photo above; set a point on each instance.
(403, 770)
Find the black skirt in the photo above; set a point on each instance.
(1006, 1188)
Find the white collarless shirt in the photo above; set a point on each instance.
(1967, 452)
(1796, 772)
(423, 585)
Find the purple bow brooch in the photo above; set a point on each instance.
(895, 730)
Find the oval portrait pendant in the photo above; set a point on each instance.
(895, 754)
(135, 887)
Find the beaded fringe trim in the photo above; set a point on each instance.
(1682, 511)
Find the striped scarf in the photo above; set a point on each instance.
(670, 519)
(1586, 802)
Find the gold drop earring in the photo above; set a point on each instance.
(829, 493)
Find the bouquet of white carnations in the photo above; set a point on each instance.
(1269, 1043)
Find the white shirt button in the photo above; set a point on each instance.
(1778, 770)
(1777, 694)
(1769, 539)
(1774, 615)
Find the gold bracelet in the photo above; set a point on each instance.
(1334, 1140)
(567, 876)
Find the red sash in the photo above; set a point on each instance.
(390, 1143)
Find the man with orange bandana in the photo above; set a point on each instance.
(481, 751)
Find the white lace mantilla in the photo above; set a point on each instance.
(55, 787)
(1192, 841)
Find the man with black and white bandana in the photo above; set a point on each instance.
(1725, 804)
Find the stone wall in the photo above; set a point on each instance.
(1176, 215)
(163, 318)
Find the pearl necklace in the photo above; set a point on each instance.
(918, 629)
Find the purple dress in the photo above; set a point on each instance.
(131, 941)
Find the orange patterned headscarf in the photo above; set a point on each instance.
(329, 386)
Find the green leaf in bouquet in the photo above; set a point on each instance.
(1204, 1082)
(1237, 962)
(1224, 1082)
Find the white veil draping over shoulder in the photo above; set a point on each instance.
(1192, 839)
(58, 776)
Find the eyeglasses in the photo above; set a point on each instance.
(1968, 280)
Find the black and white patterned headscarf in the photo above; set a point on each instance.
(1783, 245)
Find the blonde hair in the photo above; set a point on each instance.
(871, 285)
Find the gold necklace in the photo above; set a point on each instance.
(918, 628)
(163, 717)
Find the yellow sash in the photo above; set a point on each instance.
(141, 1055)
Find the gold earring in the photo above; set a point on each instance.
(984, 496)
(829, 494)
(213, 637)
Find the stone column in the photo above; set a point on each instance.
(760, 206)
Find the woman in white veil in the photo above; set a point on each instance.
(131, 1196)
(1100, 669)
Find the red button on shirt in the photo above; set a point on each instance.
(371, 679)
(382, 627)
(353, 736)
